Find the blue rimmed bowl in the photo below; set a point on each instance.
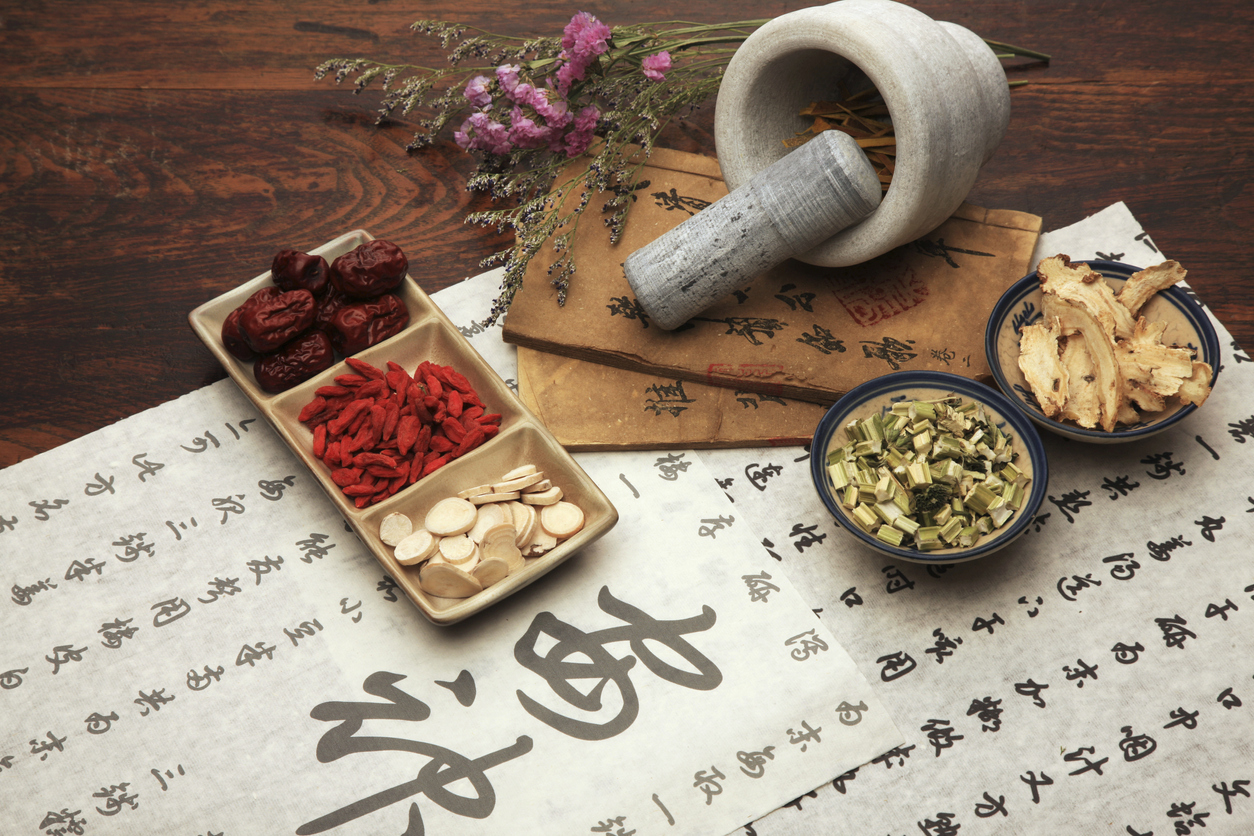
(1187, 325)
(878, 396)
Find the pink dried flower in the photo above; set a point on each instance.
(507, 77)
(477, 91)
(579, 137)
(481, 132)
(585, 35)
(657, 65)
(525, 133)
(556, 113)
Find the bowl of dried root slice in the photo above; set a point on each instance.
(1101, 351)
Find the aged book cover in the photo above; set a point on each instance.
(798, 331)
(589, 406)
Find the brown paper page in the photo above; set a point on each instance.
(588, 406)
(798, 331)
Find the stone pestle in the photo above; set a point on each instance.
(794, 204)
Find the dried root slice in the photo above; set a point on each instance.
(1042, 367)
(395, 528)
(1196, 389)
(490, 570)
(417, 547)
(477, 490)
(499, 543)
(540, 543)
(561, 519)
(1073, 319)
(542, 485)
(489, 515)
(459, 549)
(1082, 404)
(526, 521)
(447, 581)
(1143, 284)
(450, 516)
(1152, 372)
(552, 495)
(520, 471)
(1084, 287)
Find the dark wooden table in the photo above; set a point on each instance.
(155, 154)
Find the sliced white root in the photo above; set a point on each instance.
(500, 542)
(450, 516)
(520, 483)
(485, 533)
(540, 543)
(552, 495)
(561, 519)
(490, 515)
(484, 499)
(458, 549)
(395, 528)
(490, 571)
(526, 521)
(417, 547)
(447, 581)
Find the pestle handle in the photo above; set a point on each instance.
(793, 205)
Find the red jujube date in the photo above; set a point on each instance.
(268, 323)
(233, 340)
(294, 270)
(372, 269)
(361, 325)
(296, 362)
(328, 306)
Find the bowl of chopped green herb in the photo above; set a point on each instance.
(929, 467)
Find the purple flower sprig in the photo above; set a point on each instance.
(527, 108)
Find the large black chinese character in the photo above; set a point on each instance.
(556, 669)
(445, 766)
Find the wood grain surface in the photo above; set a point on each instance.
(155, 154)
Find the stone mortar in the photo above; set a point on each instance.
(945, 90)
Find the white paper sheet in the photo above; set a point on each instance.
(194, 642)
(1022, 710)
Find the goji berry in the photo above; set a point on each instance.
(457, 380)
(434, 387)
(392, 414)
(453, 429)
(341, 422)
(363, 459)
(346, 476)
(454, 403)
(473, 438)
(311, 409)
(363, 368)
(406, 433)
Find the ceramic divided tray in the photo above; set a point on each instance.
(522, 439)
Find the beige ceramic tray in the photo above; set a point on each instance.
(523, 439)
